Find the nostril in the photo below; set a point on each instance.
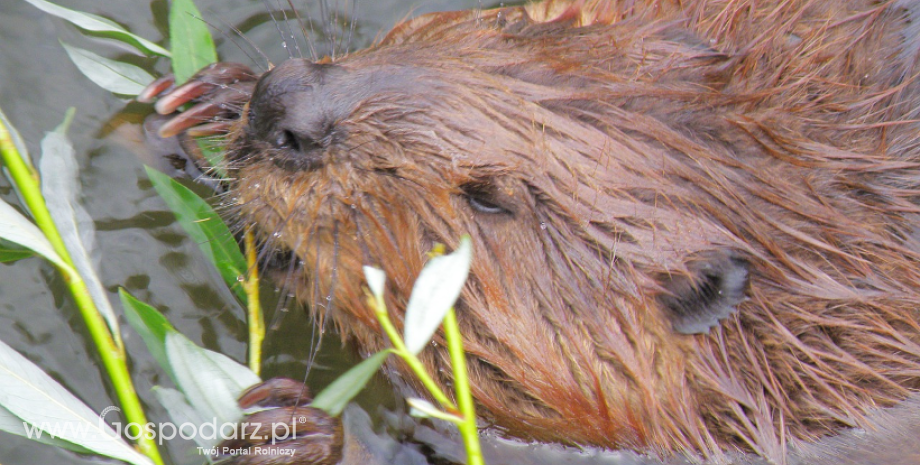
(289, 140)
(286, 140)
(294, 150)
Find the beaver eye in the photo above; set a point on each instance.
(484, 206)
(481, 199)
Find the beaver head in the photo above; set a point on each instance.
(678, 243)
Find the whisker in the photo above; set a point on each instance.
(287, 22)
(327, 30)
(335, 262)
(381, 225)
(240, 34)
(303, 30)
(317, 342)
(351, 27)
(337, 37)
(286, 295)
(311, 41)
(365, 252)
(271, 13)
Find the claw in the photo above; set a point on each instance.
(215, 76)
(182, 95)
(155, 88)
(216, 96)
(217, 128)
(226, 101)
(200, 113)
(276, 392)
(292, 433)
(224, 73)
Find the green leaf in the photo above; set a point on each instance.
(95, 23)
(35, 398)
(113, 76)
(192, 45)
(17, 229)
(213, 151)
(151, 325)
(210, 381)
(9, 254)
(205, 227)
(61, 190)
(435, 291)
(337, 395)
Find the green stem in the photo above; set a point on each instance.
(414, 363)
(254, 307)
(462, 388)
(111, 352)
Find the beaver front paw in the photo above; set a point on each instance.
(286, 431)
(219, 92)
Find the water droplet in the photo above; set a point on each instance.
(276, 234)
(543, 226)
(241, 278)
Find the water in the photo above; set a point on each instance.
(141, 246)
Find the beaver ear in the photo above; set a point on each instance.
(715, 285)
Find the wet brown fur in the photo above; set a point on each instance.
(625, 138)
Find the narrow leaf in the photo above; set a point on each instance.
(113, 76)
(435, 291)
(151, 325)
(192, 44)
(337, 395)
(9, 255)
(205, 227)
(17, 139)
(421, 408)
(213, 151)
(95, 23)
(210, 381)
(13, 424)
(17, 229)
(180, 412)
(31, 395)
(376, 279)
(61, 190)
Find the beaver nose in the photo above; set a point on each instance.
(293, 112)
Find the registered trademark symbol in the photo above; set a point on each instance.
(301, 420)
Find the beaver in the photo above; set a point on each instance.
(694, 222)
